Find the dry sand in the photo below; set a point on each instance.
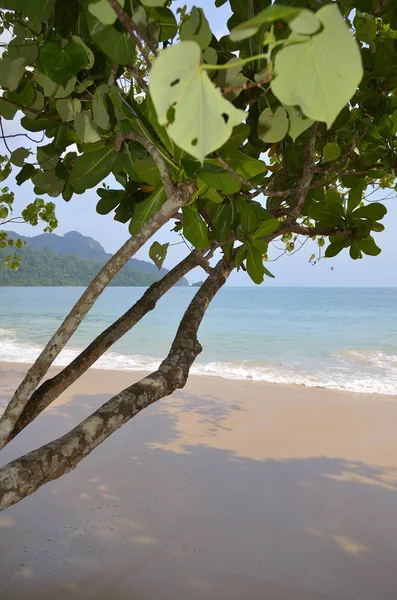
(226, 490)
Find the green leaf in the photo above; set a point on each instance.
(21, 48)
(196, 28)
(89, 53)
(273, 127)
(266, 228)
(255, 267)
(331, 152)
(103, 11)
(194, 227)
(36, 9)
(85, 128)
(231, 77)
(7, 110)
(221, 221)
(11, 72)
(368, 246)
(91, 168)
(298, 123)
(24, 174)
(203, 119)
(99, 110)
(109, 199)
(163, 18)
(215, 176)
(61, 62)
(145, 209)
(239, 135)
(147, 170)
(268, 15)
(305, 23)
(240, 255)
(18, 156)
(336, 247)
(157, 253)
(116, 44)
(374, 212)
(52, 89)
(244, 165)
(355, 196)
(333, 69)
(68, 108)
(355, 252)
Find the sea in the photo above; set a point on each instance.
(337, 338)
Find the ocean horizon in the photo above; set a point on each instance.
(336, 338)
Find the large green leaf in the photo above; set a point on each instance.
(147, 170)
(215, 176)
(145, 209)
(322, 73)
(331, 152)
(273, 127)
(61, 62)
(91, 168)
(266, 228)
(298, 123)
(374, 211)
(68, 108)
(268, 15)
(255, 267)
(163, 18)
(116, 44)
(203, 119)
(221, 221)
(99, 110)
(196, 28)
(18, 156)
(85, 128)
(103, 11)
(242, 163)
(194, 227)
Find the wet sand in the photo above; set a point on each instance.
(226, 490)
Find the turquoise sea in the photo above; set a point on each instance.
(340, 338)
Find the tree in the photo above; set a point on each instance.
(282, 128)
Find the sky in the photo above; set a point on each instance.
(79, 215)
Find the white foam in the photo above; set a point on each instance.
(358, 371)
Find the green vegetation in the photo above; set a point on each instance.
(45, 267)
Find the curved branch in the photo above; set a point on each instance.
(25, 475)
(54, 387)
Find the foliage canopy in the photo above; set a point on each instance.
(232, 116)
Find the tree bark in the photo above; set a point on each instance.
(25, 475)
(52, 388)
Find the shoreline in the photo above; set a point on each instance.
(225, 489)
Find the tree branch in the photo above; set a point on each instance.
(137, 76)
(228, 168)
(54, 387)
(176, 198)
(135, 32)
(157, 157)
(25, 475)
(309, 169)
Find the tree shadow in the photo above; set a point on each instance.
(138, 519)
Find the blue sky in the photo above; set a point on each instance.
(79, 214)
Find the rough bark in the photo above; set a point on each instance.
(176, 197)
(52, 388)
(25, 475)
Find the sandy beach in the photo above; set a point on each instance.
(226, 490)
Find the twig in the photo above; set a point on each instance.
(157, 157)
(241, 179)
(113, 74)
(247, 85)
(309, 169)
(3, 136)
(135, 32)
(137, 76)
(37, 112)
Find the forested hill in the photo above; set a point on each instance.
(73, 259)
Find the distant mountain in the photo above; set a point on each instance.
(72, 259)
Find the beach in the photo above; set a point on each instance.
(225, 490)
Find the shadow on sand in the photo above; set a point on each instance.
(141, 522)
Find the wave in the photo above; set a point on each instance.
(371, 372)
